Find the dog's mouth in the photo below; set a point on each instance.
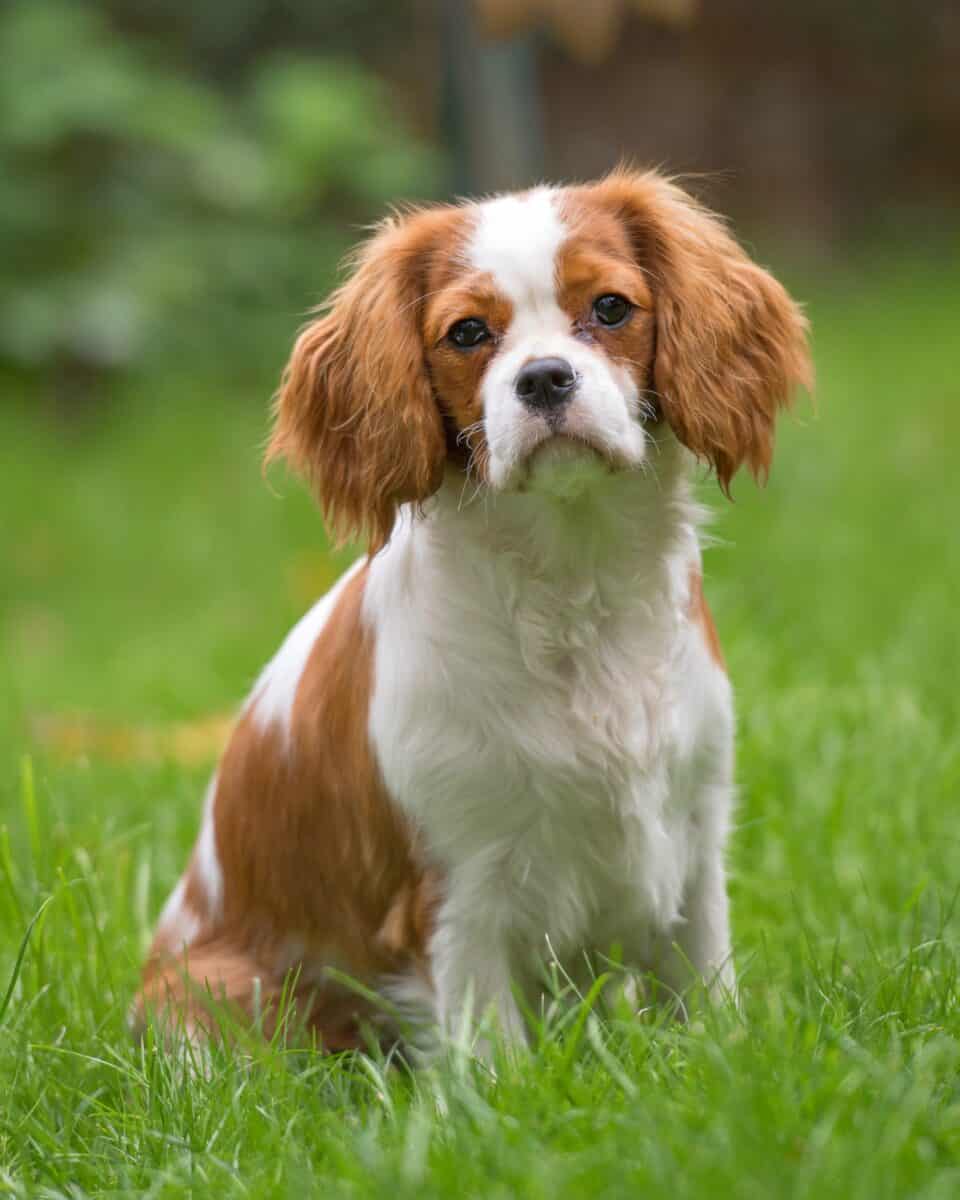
(567, 465)
(565, 449)
(559, 448)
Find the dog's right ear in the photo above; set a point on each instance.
(355, 413)
(731, 344)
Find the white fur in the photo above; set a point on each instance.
(516, 240)
(207, 860)
(552, 722)
(178, 924)
(275, 691)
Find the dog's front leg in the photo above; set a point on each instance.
(700, 949)
(472, 977)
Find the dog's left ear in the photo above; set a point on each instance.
(731, 344)
(356, 412)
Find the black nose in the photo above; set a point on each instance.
(546, 383)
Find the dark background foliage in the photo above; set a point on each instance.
(177, 190)
(178, 180)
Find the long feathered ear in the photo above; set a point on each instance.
(355, 413)
(731, 344)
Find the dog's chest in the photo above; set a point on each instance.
(533, 757)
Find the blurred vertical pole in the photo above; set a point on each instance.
(492, 116)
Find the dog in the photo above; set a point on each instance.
(506, 734)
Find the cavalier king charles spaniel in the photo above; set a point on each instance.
(505, 737)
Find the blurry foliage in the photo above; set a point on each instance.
(588, 32)
(220, 38)
(148, 213)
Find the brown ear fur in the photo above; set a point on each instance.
(731, 344)
(355, 412)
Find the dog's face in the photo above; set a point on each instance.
(552, 326)
(541, 343)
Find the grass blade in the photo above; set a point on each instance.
(18, 963)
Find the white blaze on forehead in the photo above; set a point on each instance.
(516, 240)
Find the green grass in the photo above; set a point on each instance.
(146, 574)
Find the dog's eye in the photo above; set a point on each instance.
(611, 309)
(469, 332)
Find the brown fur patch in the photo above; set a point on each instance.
(595, 260)
(356, 412)
(319, 867)
(458, 374)
(701, 615)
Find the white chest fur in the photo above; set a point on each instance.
(550, 720)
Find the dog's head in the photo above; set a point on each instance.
(531, 329)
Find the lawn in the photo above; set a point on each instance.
(148, 571)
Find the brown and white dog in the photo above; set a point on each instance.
(507, 731)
